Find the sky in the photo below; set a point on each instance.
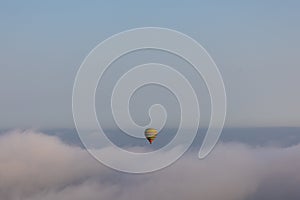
(255, 44)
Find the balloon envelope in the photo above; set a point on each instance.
(150, 134)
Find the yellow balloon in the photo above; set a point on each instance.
(150, 134)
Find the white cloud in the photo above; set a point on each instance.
(36, 166)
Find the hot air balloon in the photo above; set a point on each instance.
(150, 134)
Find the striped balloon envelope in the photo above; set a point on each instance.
(150, 134)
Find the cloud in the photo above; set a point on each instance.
(31, 162)
(36, 166)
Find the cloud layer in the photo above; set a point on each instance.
(36, 166)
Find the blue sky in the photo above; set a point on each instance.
(255, 44)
